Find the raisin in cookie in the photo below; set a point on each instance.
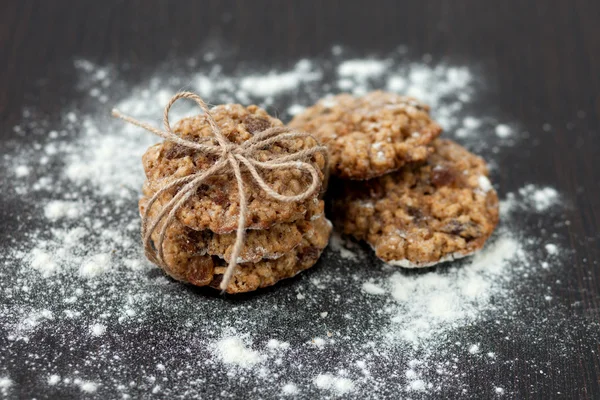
(371, 135)
(270, 243)
(185, 262)
(423, 214)
(216, 205)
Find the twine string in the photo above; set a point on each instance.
(232, 157)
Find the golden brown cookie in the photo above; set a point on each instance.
(371, 135)
(423, 214)
(216, 205)
(186, 263)
(272, 242)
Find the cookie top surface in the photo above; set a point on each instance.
(371, 135)
(425, 213)
(185, 263)
(270, 243)
(216, 204)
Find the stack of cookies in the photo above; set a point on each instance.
(282, 239)
(416, 199)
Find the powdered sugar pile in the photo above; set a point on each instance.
(454, 298)
(75, 281)
(232, 350)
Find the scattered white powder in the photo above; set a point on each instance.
(339, 385)
(474, 349)
(470, 127)
(86, 386)
(57, 209)
(233, 351)
(417, 385)
(43, 262)
(545, 197)
(289, 389)
(430, 303)
(5, 384)
(96, 265)
(340, 245)
(371, 288)
(295, 109)
(445, 88)
(397, 84)
(97, 329)
(22, 171)
(471, 122)
(552, 249)
(277, 345)
(275, 83)
(355, 75)
(503, 131)
(361, 69)
(83, 273)
(541, 198)
(531, 198)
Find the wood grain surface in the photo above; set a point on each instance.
(541, 60)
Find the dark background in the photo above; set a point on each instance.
(542, 59)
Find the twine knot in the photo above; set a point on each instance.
(233, 157)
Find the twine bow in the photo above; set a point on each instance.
(232, 157)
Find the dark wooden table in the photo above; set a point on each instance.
(542, 59)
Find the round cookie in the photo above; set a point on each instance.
(186, 264)
(269, 243)
(371, 135)
(216, 207)
(423, 214)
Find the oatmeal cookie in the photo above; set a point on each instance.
(186, 263)
(216, 207)
(371, 135)
(425, 213)
(269, 243)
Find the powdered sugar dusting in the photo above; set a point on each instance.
(351, 326)
(97, 329)
(62, 209)
(232, 350)
(289, 389)
(53, 379)
(275, 83)
(429, 304)
(371, 288)
(503, 131)
(5, 384)
(86, 386)
(541, 198)
(339, 385)
(343, 247)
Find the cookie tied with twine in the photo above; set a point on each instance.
(230, 159)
